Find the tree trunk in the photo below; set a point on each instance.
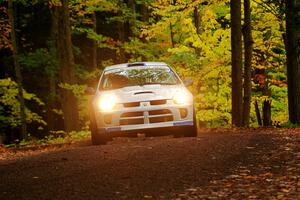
(248, 45)
(144, 12)
(94, 45)
(17, 67)
(172, 35)
(267, 113)
(62, 37)
(236, 59)
(197, 21)
(258, 116)
(52, 100)
(50, 118)
(121, 37)
(132, 21)
(293, 59)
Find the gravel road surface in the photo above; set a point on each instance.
(211, 166)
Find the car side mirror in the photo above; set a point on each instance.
(188, 82)
(89, 91)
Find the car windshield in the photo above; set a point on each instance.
(138, 76)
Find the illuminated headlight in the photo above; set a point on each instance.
(180, 98)
(107, 102)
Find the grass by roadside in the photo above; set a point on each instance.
(58, 137)
(36, 146)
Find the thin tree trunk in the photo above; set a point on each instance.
(95, 46)
(17, 67)
(172, 35)
(173, 3)
(62, 37)
(121, 36)
(236, 58)
(144, 12)
(282, 29)
(50, 119)
(258, 116)
(197, 21)
(52, 99)
(293, 59)
(267, 113)
(248, 45)
(132, 21)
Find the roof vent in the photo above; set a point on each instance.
(144, 92)
(135, 64)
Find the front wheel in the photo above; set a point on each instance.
(193, 130)
(97, 138)
(190, 131)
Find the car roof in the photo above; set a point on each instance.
(125, 65)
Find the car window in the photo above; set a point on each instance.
(138, 76)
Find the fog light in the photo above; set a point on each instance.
(183, 112)
(108, 119)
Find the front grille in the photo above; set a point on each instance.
(159, 112)
(158, 102)
(132, 114)
(161, 119)
(131, 104)
(131, 121)
(163, 115)
(138, 117)
(132, 118)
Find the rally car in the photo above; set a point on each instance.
(141, 97)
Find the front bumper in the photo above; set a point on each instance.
(145, 117)
(147, 127)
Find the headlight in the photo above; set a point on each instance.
(180, 98)
(107, 102)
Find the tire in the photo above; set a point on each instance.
(190, 131)
(97, 138)
(193, 130)
(178, 134)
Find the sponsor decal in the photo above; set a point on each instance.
(113, 129)
(108, 130)
(189, 123)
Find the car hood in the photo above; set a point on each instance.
(145, 93)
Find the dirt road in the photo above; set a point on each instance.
(211, 166)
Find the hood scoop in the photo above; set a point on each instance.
(144, 92)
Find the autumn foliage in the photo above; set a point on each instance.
(191, 36)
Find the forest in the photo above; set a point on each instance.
(243, 56)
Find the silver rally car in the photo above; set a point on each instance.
(141, 97)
